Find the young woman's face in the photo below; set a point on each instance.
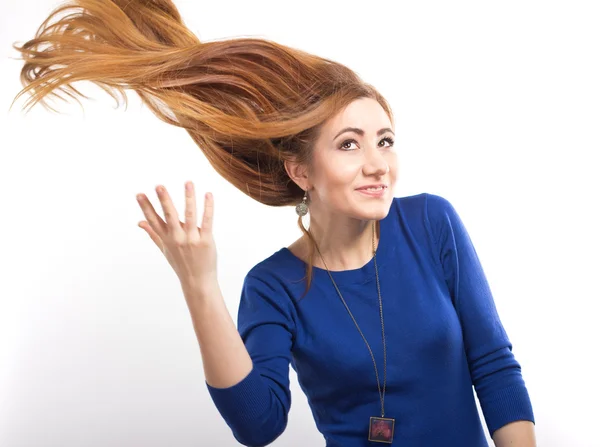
(347, 161)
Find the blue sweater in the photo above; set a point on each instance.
(443, 337)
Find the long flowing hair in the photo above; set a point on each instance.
(249, 104)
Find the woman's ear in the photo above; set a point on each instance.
(298, 173)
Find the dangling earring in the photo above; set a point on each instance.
(302, 207)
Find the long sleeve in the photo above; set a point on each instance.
(495, 373)
(256, 409)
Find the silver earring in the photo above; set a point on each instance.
(302, 207)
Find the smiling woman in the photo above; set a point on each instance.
(284, 127)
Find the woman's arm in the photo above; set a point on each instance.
(224, 357)
(515, 434)
(495, 373)
(247, 370)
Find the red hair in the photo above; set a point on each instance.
(249, 104)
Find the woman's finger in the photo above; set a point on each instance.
(207, 217)
(173, 223)
(191, 223)
(155, 221)
(155, 238)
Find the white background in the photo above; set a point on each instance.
(497, 109)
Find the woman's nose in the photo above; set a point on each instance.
(376, 163)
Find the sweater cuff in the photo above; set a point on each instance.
(507, 405)
(244, 404)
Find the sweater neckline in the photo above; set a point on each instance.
(360, 275)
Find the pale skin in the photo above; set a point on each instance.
(515, 434)
(192, 254)
(340, 217)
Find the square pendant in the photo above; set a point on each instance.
(381, 430)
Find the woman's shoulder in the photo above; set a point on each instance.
(418, 199)
(403, 207)
(279, 268)
(424, 213)
(424, 202)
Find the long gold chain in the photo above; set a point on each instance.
(381, 394)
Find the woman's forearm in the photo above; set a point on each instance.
(515, 434)
(224, 356)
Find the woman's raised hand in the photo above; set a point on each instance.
(190, 250)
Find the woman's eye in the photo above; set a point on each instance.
(343, 145)
(389, 140)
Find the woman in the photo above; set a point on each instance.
(394, 322)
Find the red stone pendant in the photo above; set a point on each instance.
(381, 430)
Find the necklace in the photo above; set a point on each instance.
(381, 429)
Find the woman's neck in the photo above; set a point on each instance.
(344, 247)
